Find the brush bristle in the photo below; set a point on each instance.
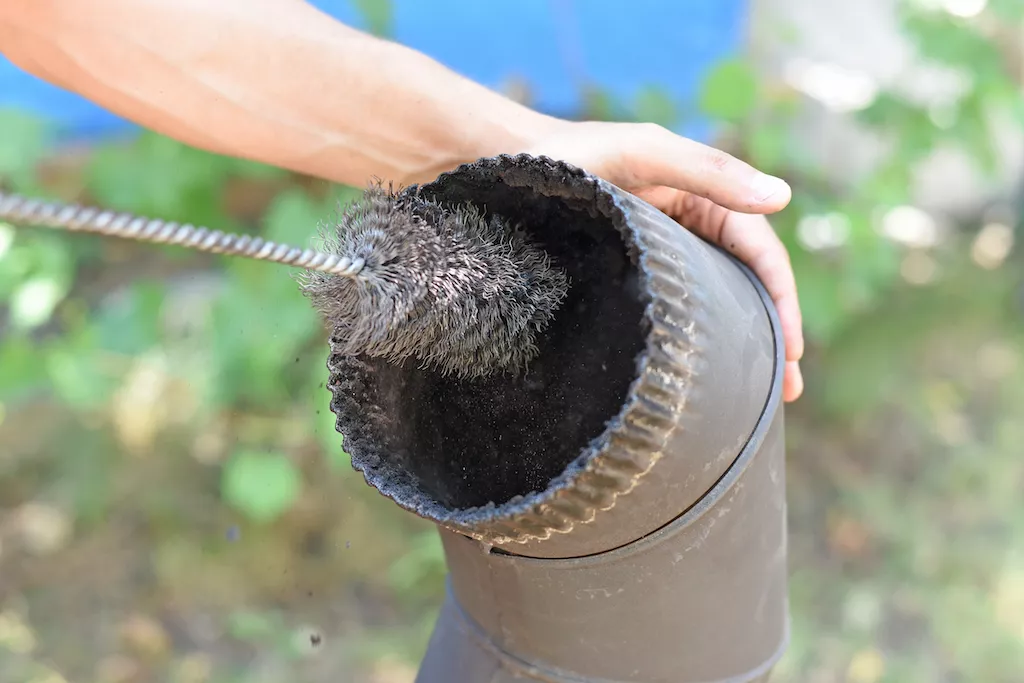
(461, 293)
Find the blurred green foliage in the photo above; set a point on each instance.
(261, 485)
(153, 400)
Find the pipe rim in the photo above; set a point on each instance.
(631, 443)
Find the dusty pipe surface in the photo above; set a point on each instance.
(617, 513)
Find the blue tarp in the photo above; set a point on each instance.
(553, 45)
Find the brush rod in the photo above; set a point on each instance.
(27, 211)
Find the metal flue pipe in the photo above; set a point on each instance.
(617, 513)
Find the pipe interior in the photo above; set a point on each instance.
(455, 444)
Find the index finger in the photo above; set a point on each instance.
(660, 157)
(752, 240)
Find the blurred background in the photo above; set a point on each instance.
(176, 506)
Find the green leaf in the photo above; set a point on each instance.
(820, 297)
(76, 376)
(36, 276)
(973, 132)
(6, 239)
(729, 92)
(1007, 9)
(34, 301)
(378, 15)
(422, 563)
(293, 217)
(160, 177)
(261, 323)
(322, 419)
(945, 39)
(874, 261)
(21, 367)
(888, 185)
(254, 626)
(261, 486)
(599, 105)
(768, 147)
(24, 141)
(253, 170)
(130, 324)
(654, 105)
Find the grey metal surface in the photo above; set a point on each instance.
(722, 353)
(702, 600)
(698, 385)
(654, 552)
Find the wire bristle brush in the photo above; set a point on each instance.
(396, 277)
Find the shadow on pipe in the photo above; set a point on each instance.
(617, 513)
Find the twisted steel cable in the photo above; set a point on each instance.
(28, 211)
(462, 293)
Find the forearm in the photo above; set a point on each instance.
(270, 80)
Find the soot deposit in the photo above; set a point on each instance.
(441, 444)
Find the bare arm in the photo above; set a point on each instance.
(280, 82)
(276, 81)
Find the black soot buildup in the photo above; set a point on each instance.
(440, 443)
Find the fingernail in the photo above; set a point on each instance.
(767, 186)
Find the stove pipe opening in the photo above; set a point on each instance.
(617, 512)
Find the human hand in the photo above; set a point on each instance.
(714, 195)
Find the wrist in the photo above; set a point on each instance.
(507, 128)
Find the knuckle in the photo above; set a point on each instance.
(719, 161)
(654, 131)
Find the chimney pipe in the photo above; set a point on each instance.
(617, 514)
